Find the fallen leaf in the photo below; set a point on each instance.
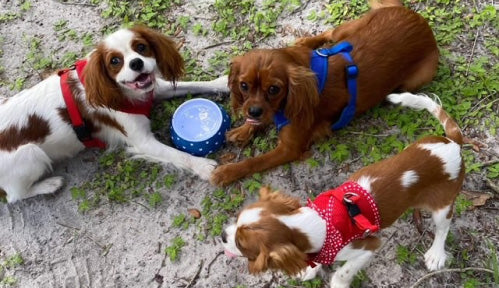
(194, 213)
(475, 145)
(477, 198)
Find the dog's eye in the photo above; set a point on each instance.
(115, 61)
(244, 86)
(273, 90)
(141, 48)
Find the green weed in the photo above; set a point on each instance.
(175, 248)
(405, 256)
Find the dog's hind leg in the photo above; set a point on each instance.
(357, 255)
(423, 74)
(435, 256)
(22, 169)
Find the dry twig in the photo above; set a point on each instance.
(449, 270)
(196, 276)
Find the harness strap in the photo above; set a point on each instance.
(361, 221)
(320, 65)
(81, 129)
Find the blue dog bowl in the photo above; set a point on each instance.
(199, 126)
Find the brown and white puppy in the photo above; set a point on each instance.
(393, 48)
(278, 233)
(123, 73)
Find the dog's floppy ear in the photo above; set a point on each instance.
(260, 264)
(284, 203)
(101, 90)
(236, 98)
(168, 59)
(303, 96)
(288, 258)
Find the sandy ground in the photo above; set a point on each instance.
(122, 245)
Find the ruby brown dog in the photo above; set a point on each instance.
(104, 101)
(278, 233)
(393, 49)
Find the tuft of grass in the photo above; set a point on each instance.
(175, 248)
(6, 267)
(120, 179)
(405, 256)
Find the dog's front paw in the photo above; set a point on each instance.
(309, 273)
(435, 258)
(204, 167)
(241, 135)
(220, 84)
(224, 175)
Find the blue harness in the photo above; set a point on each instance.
(319, 64)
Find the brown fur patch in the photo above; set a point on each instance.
(34, 131)
(432, 190)
(369, 243)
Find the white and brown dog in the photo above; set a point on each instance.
(278, 233)
(104, 101)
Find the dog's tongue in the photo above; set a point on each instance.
(142, 81)
(253, 121)
(229, 254)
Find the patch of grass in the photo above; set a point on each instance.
(253, 184)
(120, 179)
(175, 248)
(360, 279)
(127, 13)
(405, 256)
(313, 283)
(8, 16)
(217, 208)
(6, 267)
(462, 204)
(233, 17)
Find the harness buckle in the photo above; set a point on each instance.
(320, 53)
(366, 233)
(82, 132)
(347, 197)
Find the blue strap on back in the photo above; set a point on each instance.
(319, 64)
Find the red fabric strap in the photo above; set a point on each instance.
(335, 207)
(82, 131)
(84, 135)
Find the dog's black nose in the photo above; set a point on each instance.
(136, 64)
(255, 112)
(224, 237)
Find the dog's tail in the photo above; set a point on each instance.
(375, 4)
(421, 101)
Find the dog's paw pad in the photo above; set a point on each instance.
(435, 259)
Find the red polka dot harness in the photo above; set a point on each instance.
(350, 213)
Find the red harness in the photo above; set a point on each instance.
(350, 212)
(83, 132)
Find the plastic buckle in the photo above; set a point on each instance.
(82, 132)
(320, 53)
(352, 70)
